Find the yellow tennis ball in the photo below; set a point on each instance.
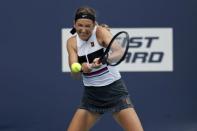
(75, 67)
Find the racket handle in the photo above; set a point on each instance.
(103, 60)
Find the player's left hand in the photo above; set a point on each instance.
(96, 63)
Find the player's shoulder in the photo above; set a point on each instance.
(101, 31)
(71, 42)
(71, 39)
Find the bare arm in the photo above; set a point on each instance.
(72, 54)
(72, 51)
(105, 36)
(73, 58)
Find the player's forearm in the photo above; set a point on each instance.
(86, 67)
(115, 55)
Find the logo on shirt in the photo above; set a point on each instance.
(92, 44)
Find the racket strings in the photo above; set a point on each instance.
(118, 49)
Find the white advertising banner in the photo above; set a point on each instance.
(150, 50)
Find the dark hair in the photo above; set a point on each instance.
(85, 10)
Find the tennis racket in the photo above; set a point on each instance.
(116, 50)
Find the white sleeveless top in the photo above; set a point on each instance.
(101, 76)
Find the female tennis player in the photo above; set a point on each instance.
(104, 90)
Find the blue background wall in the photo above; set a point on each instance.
(36, 96)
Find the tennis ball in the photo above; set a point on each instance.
(75, 67)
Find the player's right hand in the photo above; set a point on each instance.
(86, 67)
(96, 63)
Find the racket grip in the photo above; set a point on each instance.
(103, 60)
